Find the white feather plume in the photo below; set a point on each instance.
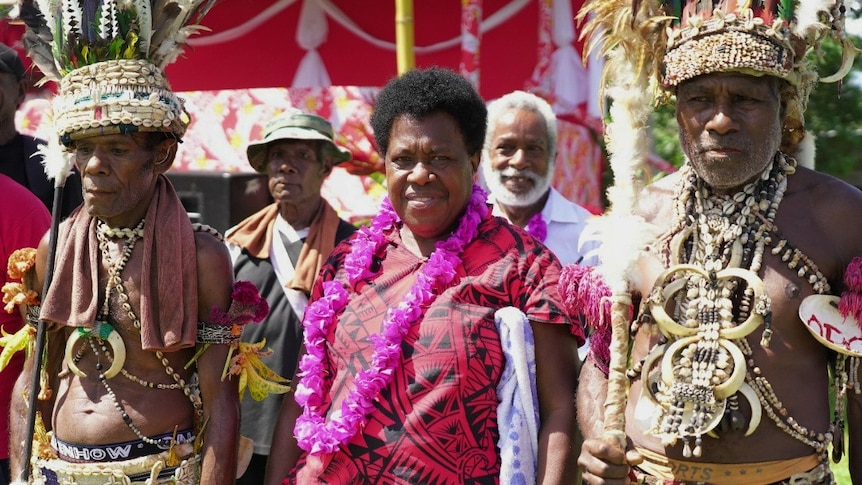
(71, 17)
(623, 234)
(806, 152)
(172, 46)
(161, 29)
(145, 23)
(106, 20)
(49, 10)
(810, 15)
(174, 21)
(56, 160)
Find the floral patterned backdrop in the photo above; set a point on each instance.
(224, 122)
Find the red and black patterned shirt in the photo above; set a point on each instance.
(436, 422)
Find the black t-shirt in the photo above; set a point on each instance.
(13, 159)
(18, 163)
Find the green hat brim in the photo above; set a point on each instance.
(256, 150)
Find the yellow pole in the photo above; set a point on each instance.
(404, 35)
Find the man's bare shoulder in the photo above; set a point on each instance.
(212, 253)
(830, 199)
(819, 212)
(814, 185)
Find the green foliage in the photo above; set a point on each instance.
(787, 8)
(834, 116)
(665, 134)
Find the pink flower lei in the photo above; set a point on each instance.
(537, 227)
(313, 433)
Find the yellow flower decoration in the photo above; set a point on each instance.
(15, 294)
(244, 359)
(254, 375)
(20, 263)
(14, 342)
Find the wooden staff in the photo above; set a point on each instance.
(58, 165)
(614, 423)
(624, 234)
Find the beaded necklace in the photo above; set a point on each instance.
(115, 268)
(703, 364)
(314, 433)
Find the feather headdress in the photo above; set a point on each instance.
(676, 40)
(78, 33)
(109, 56)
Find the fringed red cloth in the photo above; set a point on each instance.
(850, 303)
(585, 292)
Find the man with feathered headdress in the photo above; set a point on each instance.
(132, 286)
(706, 372)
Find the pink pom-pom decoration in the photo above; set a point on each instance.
(853, 275)
(850, 304)
(247, 306)
(585, 293)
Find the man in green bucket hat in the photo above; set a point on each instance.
(281, 248)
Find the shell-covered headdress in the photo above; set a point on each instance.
(674, 41)
(108, 57)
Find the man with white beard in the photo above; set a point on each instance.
(518, 165)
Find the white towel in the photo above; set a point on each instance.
(517, 413)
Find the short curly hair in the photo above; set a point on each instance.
(421, 92)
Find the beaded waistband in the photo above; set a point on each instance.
(148, 470)
(118, 451)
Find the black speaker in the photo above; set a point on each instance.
(221, 199)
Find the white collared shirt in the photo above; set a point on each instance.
(566, 221)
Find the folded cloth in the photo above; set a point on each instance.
(318, 245)
(254, 234)
(517, 412)
(168, 282)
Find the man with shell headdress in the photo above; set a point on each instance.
(132, 286)
(734, 286)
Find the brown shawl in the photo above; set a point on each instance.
(168, 280)
(254, 234)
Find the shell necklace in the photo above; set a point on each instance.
(716, 252)
(104, 333)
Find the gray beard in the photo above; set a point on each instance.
(502, 195)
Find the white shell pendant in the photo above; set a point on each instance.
(820, 315)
